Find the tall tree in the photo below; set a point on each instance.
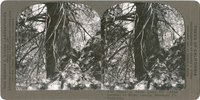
(52, 20)
(146, 43)
(57, 37)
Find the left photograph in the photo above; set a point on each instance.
(52, 40)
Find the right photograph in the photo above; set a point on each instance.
(143, 47)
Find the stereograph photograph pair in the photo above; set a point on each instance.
(109, 50)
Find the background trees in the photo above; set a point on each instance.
(63, 46)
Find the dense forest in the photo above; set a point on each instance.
(68, 46)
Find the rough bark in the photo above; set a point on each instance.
(50, 60)
(146, 43)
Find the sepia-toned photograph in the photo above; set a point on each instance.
(68, 46)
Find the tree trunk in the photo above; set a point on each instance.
(50, 60)
(146, 42)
